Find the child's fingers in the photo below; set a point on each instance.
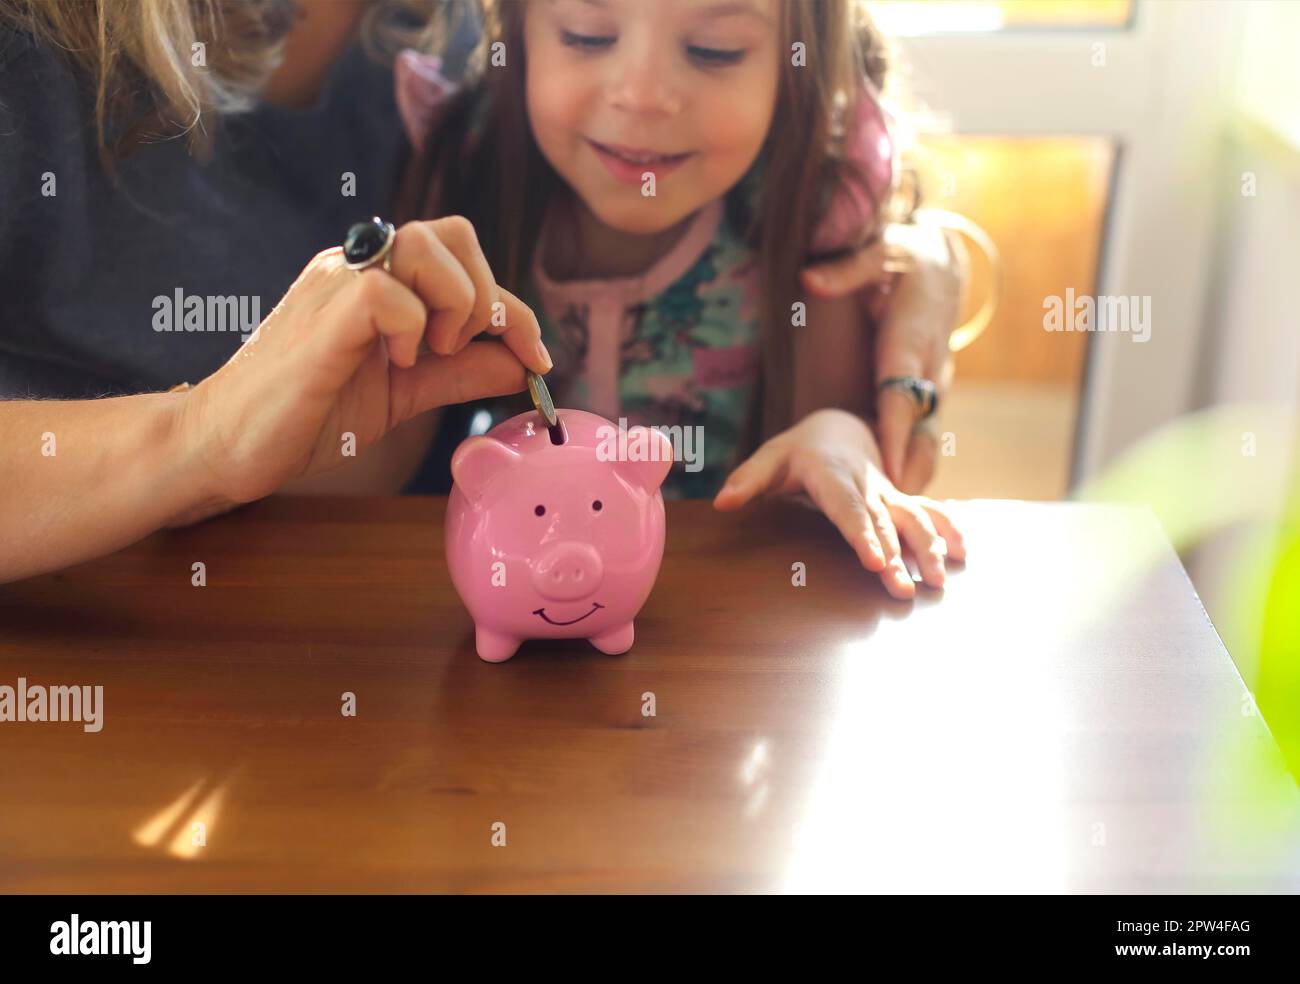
(457, 233)
(427, 266)
(756, 475)
(522, 334)
(881, 527)
(926, 543)
(885, 527)
(944, 524)
(841, 501)
(895, 576)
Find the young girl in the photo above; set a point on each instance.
(650, 177)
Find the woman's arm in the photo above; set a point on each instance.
(85, 477)
(932, 271)
(339, 363)
(833, 358)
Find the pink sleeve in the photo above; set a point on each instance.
(869, 146)
(420, 90)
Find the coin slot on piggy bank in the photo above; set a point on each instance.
(556, 532)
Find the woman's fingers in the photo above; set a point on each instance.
(371, 304)
(845, 275)
(458, 235)
(443, 263)
(901, 350)
(918, 531)
(421, 261)
(761, 471)
(895, 418)
(519, 329)
(912, 340)
(920, 461)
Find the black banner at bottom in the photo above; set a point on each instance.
(167, 934)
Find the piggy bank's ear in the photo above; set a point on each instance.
(655, 452)
(477, 461)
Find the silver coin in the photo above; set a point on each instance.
(542, 398)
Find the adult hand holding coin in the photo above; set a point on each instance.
(341, 355)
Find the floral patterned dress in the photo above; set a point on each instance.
(675, 347)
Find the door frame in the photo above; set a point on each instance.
(1162, 94)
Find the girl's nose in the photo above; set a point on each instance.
(643, 83)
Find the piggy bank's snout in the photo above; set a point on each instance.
(567, 571)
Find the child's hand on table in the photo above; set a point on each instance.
(833, 457)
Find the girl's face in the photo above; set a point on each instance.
(683, 90)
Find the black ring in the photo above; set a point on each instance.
(368, 243)
(923, 392)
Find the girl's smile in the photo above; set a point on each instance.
(681, 90)
(630, 165)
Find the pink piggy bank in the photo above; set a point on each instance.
(556, 533)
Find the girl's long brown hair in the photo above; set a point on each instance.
(502, 183)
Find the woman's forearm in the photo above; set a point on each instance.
(339, 355)
(82, 478)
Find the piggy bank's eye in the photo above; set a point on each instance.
(597, 506)
(540, 511)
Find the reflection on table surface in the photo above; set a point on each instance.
(1046, 725)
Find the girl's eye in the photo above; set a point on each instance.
(539, 511)
(714, 56)
(597, 505)
(586, 42)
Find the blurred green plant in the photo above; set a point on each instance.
(1234, 467)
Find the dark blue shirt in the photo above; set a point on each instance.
(91, 272)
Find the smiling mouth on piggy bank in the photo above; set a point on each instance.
(595, 607)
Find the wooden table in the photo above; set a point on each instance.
(1031, 730)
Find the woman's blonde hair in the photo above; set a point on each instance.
(161, 68)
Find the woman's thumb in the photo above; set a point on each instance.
(895, 417)
(478, 371)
